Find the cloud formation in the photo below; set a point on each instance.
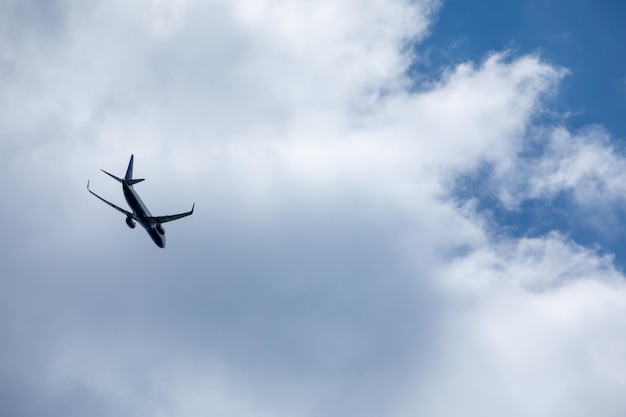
(330, 268)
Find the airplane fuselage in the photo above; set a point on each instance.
(143, 216)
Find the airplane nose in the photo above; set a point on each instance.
(158, 239)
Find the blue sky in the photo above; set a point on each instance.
(379, 230)
(583, 36)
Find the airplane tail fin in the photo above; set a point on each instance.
(128, 178)
(129, 170)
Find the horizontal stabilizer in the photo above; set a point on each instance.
(125, 180)
(111, 175)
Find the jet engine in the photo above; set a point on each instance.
(130, 222)
(160, 229)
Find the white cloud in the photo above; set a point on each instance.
(538, 330)
(584, 163)
(326, 270)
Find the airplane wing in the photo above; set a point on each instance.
(127, 213)
(165, 219)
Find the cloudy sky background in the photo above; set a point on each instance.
(402, 208)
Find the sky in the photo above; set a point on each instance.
(402, 208)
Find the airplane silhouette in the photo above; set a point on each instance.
(140, 213)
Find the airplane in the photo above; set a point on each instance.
(140, 213)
